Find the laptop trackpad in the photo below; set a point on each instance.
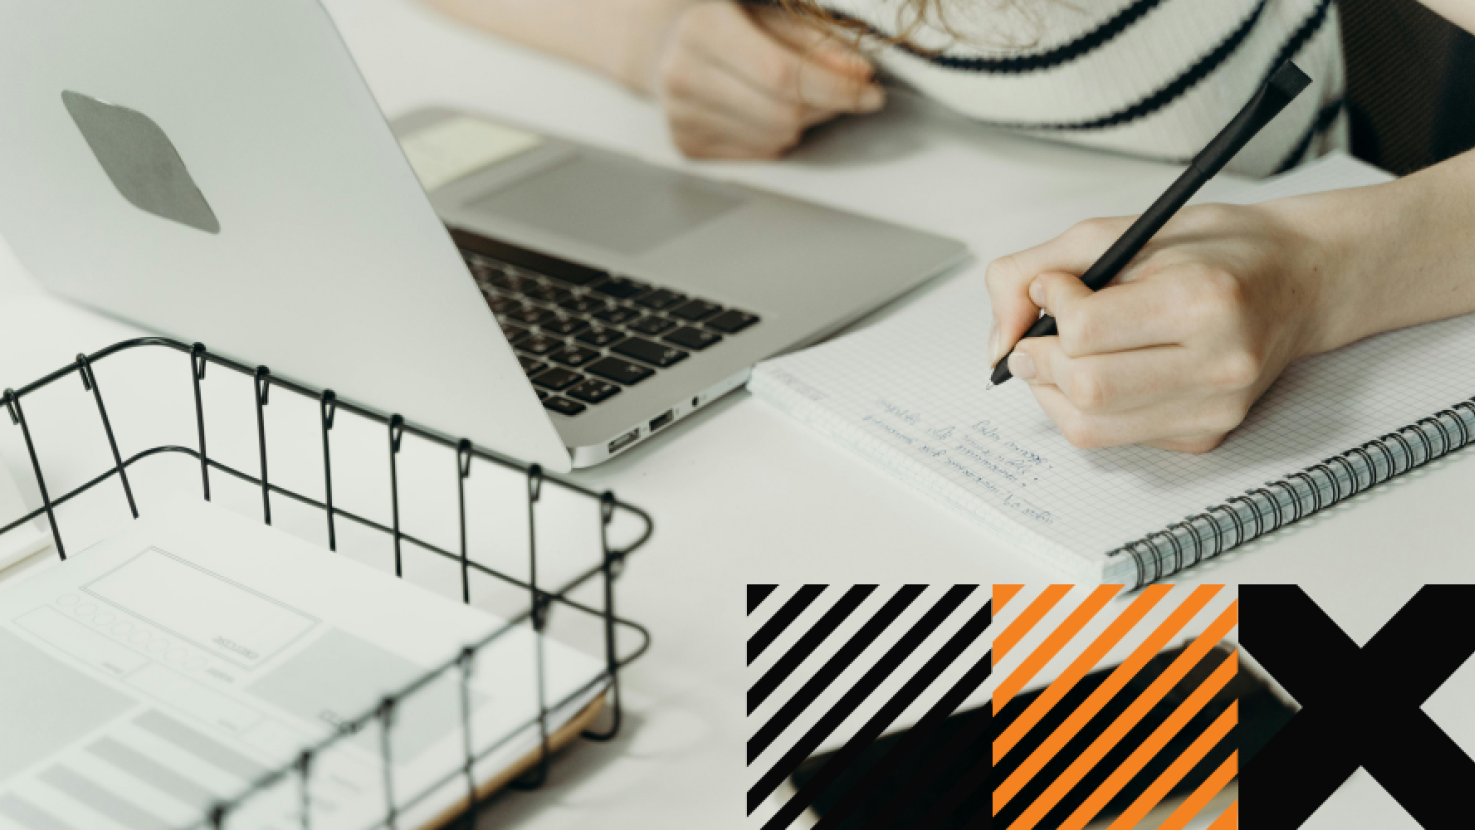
(626, 207)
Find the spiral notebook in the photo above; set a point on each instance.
(907, 394)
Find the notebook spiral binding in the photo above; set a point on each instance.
(540, 599)
(1261, 510)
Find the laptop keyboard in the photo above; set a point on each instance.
(581, 334)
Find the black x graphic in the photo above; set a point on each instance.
(1360, 707)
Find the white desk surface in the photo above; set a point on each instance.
(742, 495)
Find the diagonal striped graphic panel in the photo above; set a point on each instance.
(1128, 718)
(1010, 706)
(846, 667)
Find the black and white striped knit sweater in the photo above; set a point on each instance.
(1155, 78)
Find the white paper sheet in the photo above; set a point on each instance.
(168, 666)
(449, 149)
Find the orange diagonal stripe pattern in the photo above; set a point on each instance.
(1089, 659)
(1154, 744)
(1119, 728)
(1002, 595)
(1036, 611)
(1203, 795)
(1202, 745)
(1098, 699)
(1053, 644)
(1229, 820)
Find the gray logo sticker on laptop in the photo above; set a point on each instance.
(141, 161)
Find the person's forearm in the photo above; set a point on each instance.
(1389, 256)
(617, 37)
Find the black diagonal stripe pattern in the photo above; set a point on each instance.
(840, 774)
(756, 595)
(831, 670)
(781, 620)
(890, 711)
(807, 644)
(857, 695)
(979, 728)
(890, 764)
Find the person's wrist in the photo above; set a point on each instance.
(1325, 255)
(650, 27)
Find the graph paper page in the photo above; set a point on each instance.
(908, 395)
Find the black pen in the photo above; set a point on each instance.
(1284, 85)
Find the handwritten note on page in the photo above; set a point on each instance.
(908, 395)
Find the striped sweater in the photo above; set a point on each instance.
(1154, 78)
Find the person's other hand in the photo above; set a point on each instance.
(743, 83)
(1175, 351)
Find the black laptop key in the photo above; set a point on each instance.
(651, 325)
(574, 356)
(583, 304)
(594, 391)
(512, 282)
(530, 366)
(511, 332)
(621, 288)
(543, 394)
(501, 304)
(557, 379)
(482, 271)
(564, 406)
(560, 269)
(546, 293)
(695, 310)
(661, 299)
(620, 371)
(732, 321)
(693, 338)
(615, 315)
(563, 326)
(652, 353)
(539, 344)
(601, 336)
(530, 315)
(569, 273)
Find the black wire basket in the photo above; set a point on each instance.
(534, 609)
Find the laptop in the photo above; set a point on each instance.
(220, 173)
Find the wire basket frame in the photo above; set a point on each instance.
(540, 600)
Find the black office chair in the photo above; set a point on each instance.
(1410, 84)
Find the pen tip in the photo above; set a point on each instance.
(988, 386)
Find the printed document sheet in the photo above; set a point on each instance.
(166, 668)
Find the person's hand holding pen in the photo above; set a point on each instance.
(1164, 328)
(1204, 318)
(1174, 352)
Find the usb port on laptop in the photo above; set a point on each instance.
(661, 420)
(624, 441)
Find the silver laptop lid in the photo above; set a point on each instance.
(220, 173)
